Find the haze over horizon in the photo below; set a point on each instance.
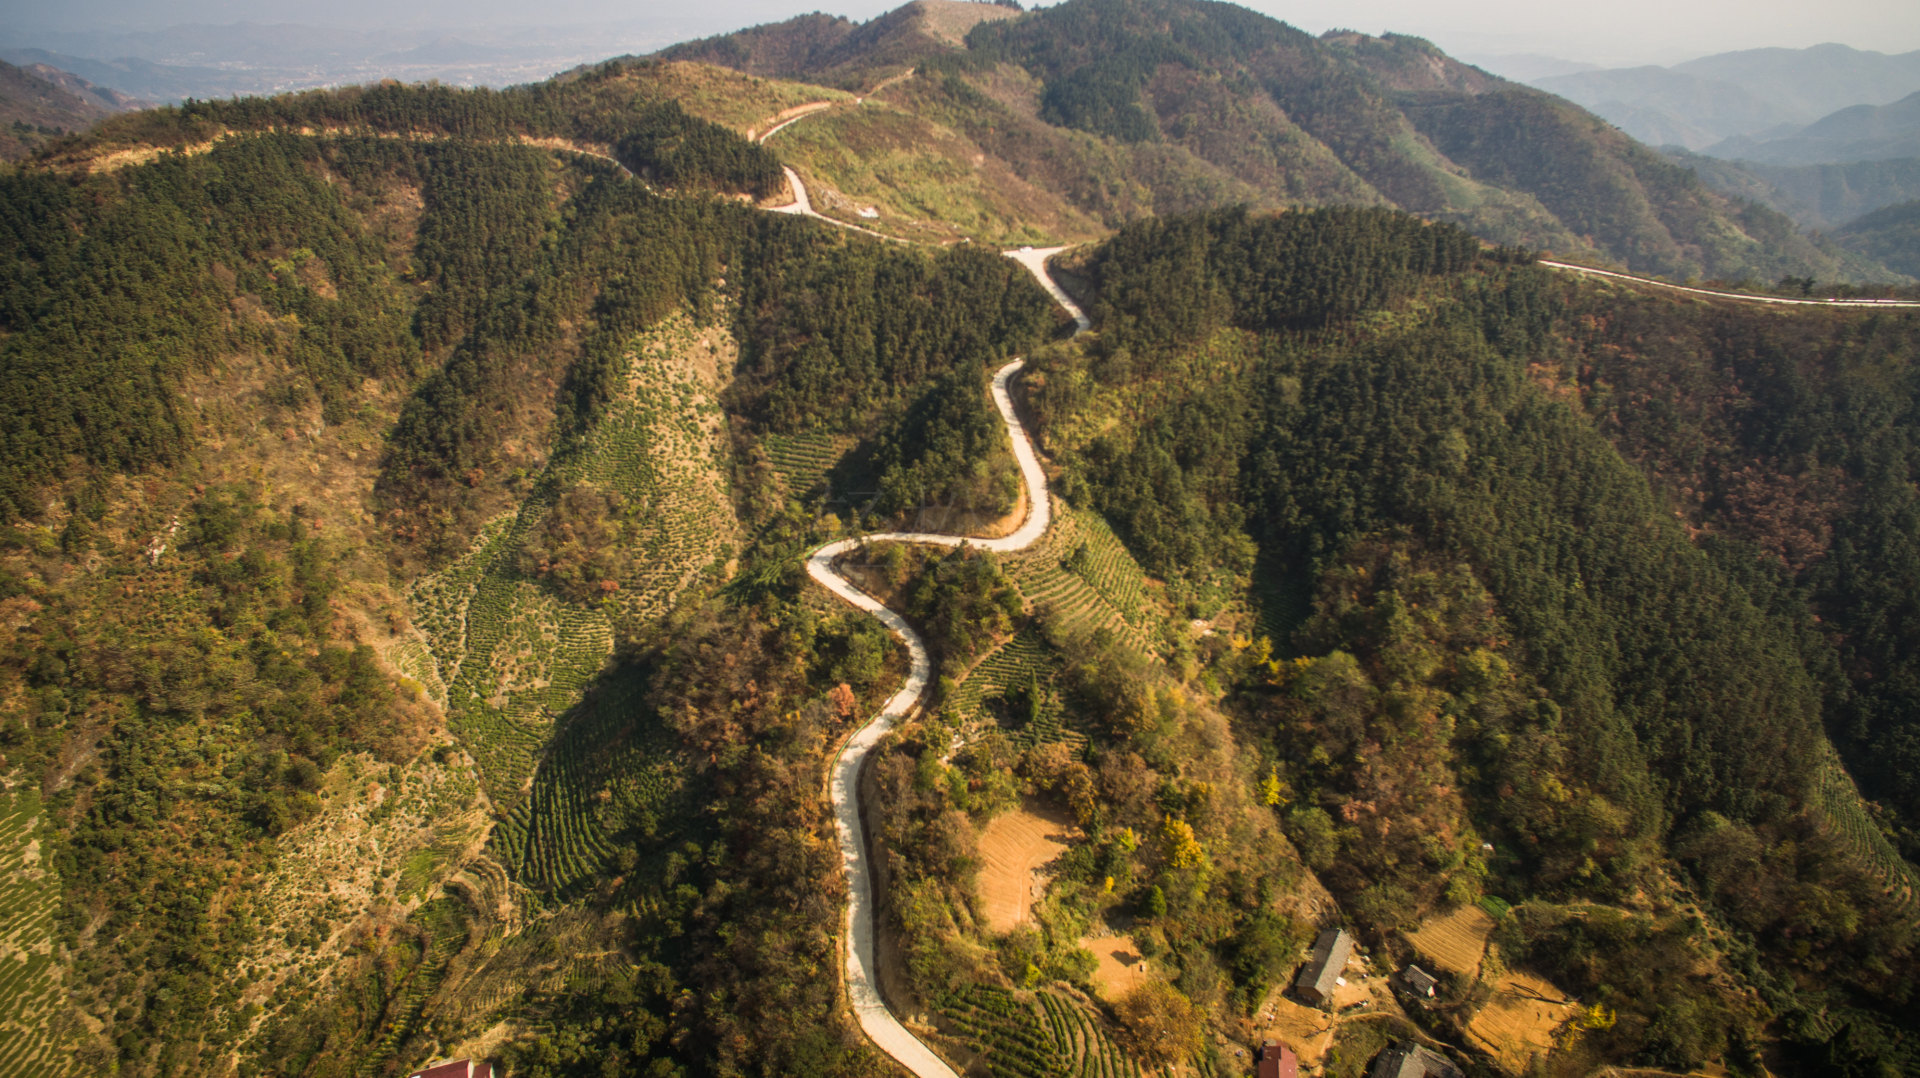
(1632, 33)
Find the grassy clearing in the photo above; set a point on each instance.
(37, 1028)
(926, 181)
(727, 97)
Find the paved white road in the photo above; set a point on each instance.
(802, 206)
(862, 927)
(1035, 259)
(1589, 270)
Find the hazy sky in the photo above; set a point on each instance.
(1612, 33)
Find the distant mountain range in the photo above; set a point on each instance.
(1755, 92)
(207, 61)
(1859, 133)
(1106, 111)
(40, 102)
(1826, 135)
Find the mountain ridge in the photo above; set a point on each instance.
(1233, 107)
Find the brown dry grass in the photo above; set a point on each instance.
(1306, 1030)
(1518, 1023)
(1120, 969)
(1455, 941)
(1016, 847)
(949, 20)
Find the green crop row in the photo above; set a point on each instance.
(1010, 1034)
(1090, 1052)
(444, 926)
(803, 460)
(34, 1028)
(517, 655)
(1840, 802)
(1016, 667)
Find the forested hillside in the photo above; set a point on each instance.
(408, 649)
(349, 479)
(1089, 113)
(1455, 482)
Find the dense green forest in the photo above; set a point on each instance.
(1434, 463)
(462, 310)
(404, 624)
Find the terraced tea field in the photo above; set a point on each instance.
(1015, 667)
(611, 767)
(1081, 575)
(35, 1023)
(1840, 802)
(443, 927)
(803, 460)
(1044, 1034)
(515, 655)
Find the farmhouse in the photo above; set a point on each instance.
(1276, 1060)
(1419, 981)
(1322, 972)
(456, 1068)
(1409, 1060)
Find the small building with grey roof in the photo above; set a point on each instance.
(1321, 974)
(1406, 1059)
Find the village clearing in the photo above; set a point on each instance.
(1454, 942)
(1016, 847)
(1518, 1023)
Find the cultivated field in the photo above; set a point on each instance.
(1015, 848)
(1043, 1034)
(36, 1026)
(1306, 1030)
(516, 656)
(1082, 576)
(1518, 1023)
(1455, 941)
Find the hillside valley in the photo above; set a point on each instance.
(415, 506)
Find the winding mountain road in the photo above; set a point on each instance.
(862, 965)
(862, 926)
(1750, 298)
(802, 205)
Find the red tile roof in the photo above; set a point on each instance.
(1277, 1061)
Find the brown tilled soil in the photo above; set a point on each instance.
(1306, 1030)
(1454, 941)
(1121, 967)
(1016, 847)
(1519, 1022)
